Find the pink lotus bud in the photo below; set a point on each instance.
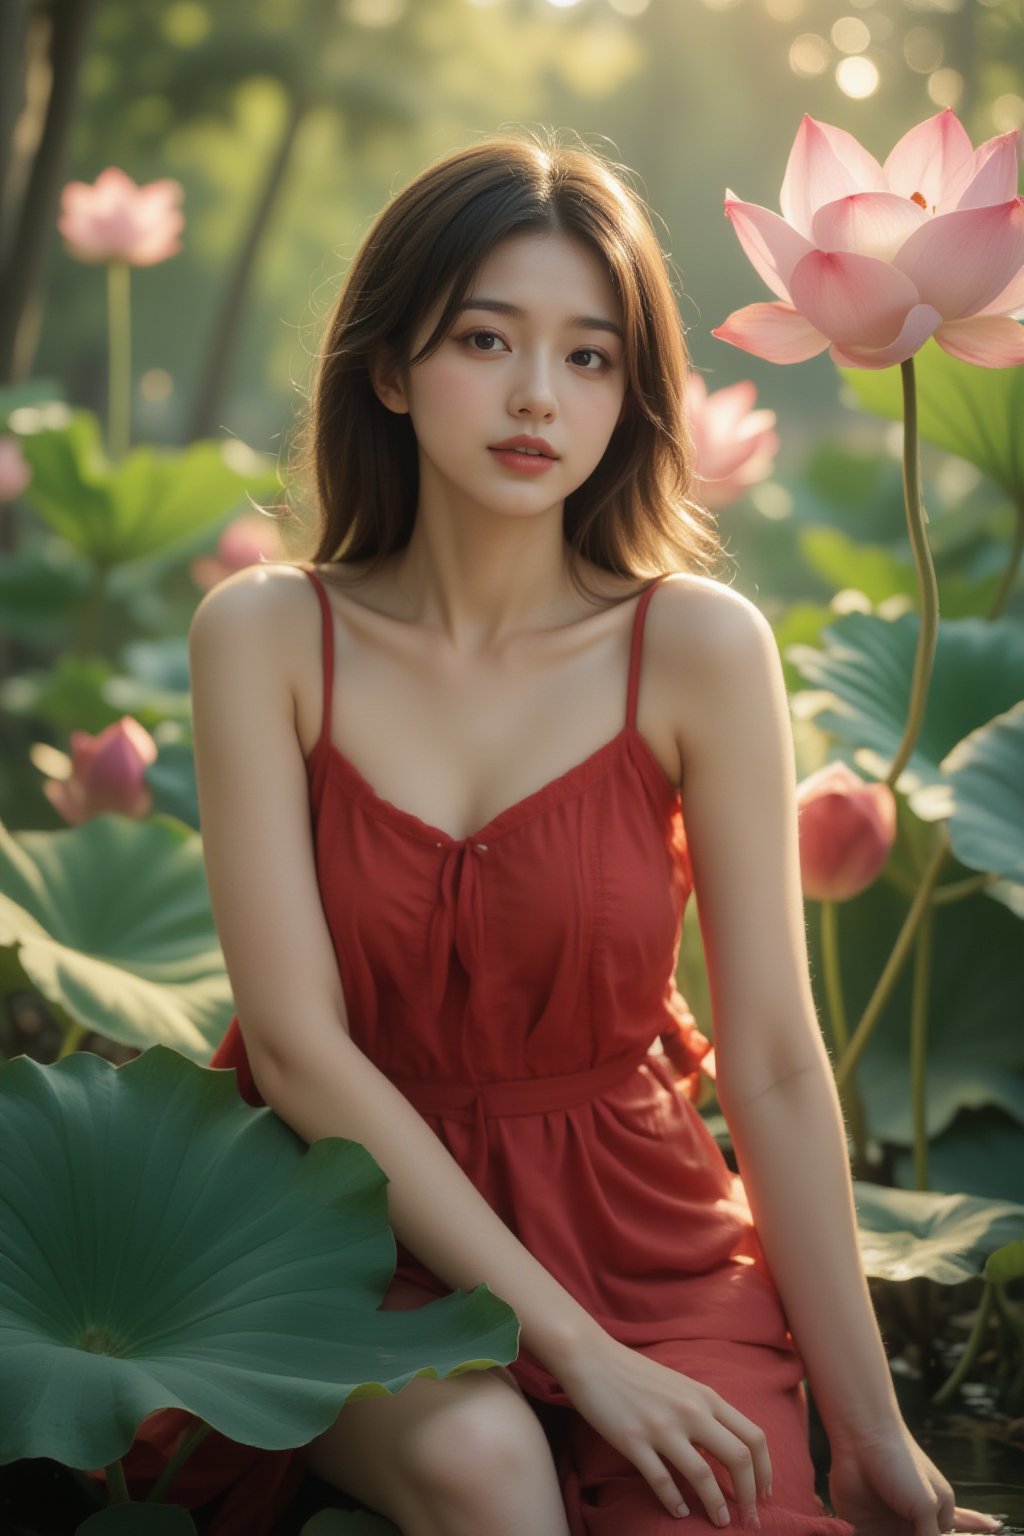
(734, 444)
(114, 219)
(847, 828)
(107, 773)
(870, 260)
(15, 471)
(245, 541)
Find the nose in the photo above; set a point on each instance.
(533, 393)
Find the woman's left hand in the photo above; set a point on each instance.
(885, 1485)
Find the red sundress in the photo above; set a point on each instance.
(512, 984)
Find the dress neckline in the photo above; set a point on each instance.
(574, 780)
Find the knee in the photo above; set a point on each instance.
(475, 1453)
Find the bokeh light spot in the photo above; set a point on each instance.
(809, 55)
(945, 87)
(1008, 112)
(850, 34)
(156, 384)
(857, 76)
(922, 49)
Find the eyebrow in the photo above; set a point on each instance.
(577, 322)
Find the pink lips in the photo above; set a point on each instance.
(525, 441)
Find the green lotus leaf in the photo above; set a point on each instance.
(975, 1045)
(151, 500)
(983, 797)
(865, 673)
(110, 921)
(973, 412)
(139, 1520)
(881, 574)
(41, 589)
(904, 1233)
(162, 1244)
(1006, 1264)
(981, 1153)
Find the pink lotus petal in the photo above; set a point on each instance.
(871, 223)
(773, 246)
(990, 341)
(921, 322)
(773, 331)
(15, 470)
(825, 163)
(115, 220)
(995, 173)
(725, 410)
(960, 261)
(935, 160)
(68, 800)
(1011, 298)
(851, 298)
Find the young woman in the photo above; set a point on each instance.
(458, 775)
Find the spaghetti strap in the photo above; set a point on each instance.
(635, 649)
(327, 653)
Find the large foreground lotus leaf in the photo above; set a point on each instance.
(974, 412)
(139, 1520)
(865, 673)
(904, 1233)
(111, 922)
(162, 1244)
(983, 797)
(152, 500)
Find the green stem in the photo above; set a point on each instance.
(119, 331)
(74, 1034)
(186, 1445)
(883, 987)
(919, 1045)
(117, 1487)
(928, 629)
(956, 890)
(1012, 567)
(833, 982)
(89, 613)
(971, 1349)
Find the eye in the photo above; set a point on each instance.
(486, 336)
(592, 353)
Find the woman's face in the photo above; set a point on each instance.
(535, 350)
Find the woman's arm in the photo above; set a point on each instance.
(773, 1076)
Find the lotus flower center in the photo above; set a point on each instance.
(917, 197)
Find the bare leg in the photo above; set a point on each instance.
(446, 1458)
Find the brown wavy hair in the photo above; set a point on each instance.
(634, 515)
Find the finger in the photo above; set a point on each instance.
(701, 1478)
(974, 1520)
(926, 1516)
(661, 1480)
(734, 1454)
(753, 1436)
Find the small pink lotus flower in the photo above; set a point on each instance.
(15, 471)
(115, 219)
(735, 445)
(847, 828)
(245, 541)
(107, 773)
(870, 260)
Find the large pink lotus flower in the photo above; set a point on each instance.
(107, 773)
(15, 471)
(735, 445)
(870, 260)
(847, 828)
(245, 541)
(117, 220)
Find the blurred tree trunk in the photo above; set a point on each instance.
(13, 43)
(213, 376)
(24, 254)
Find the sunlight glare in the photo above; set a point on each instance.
(629, 7)
(850, 34)
(1008, 112)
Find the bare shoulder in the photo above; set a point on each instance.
(265, 596)
(711, 649)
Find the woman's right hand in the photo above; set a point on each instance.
(657, 1417)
